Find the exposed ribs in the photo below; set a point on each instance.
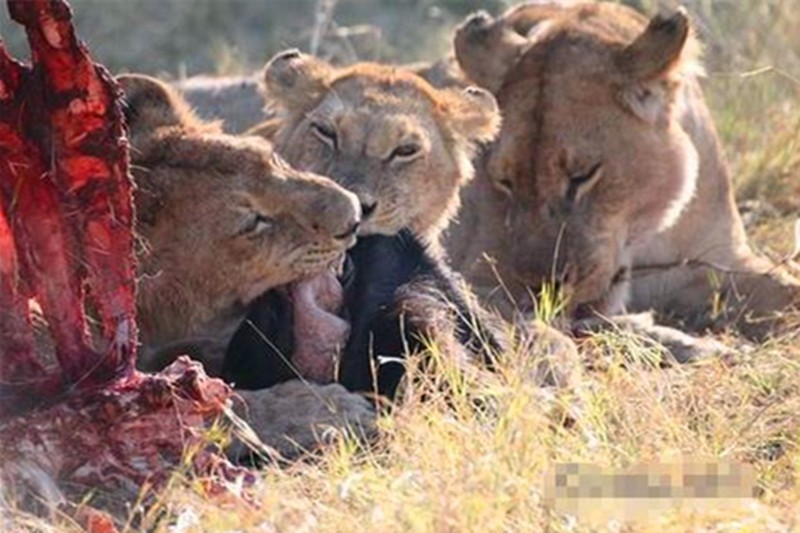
(79, 412)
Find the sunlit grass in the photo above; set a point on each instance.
(474, 458)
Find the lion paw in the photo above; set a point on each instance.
(686, 348)
(557, 361)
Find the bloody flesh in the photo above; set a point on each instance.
(81, 413)
(66, 195)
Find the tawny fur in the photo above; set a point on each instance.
(195, 190)
(203, 256)
(372, 110)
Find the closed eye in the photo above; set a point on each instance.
(405, 152)
(579, 183)
(325, 133)
(256, 224)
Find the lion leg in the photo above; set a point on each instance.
(756, 301)
(749, 292)
(703, 269)
(297, 417)
(682, 347)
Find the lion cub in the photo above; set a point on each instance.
(221, 220)
(383, 132)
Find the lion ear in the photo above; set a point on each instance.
(654, 63)
(151, 104)
(486, 49)
(296, 81)
(472, 114)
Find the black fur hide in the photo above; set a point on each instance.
(395, 294)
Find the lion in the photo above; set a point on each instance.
(221, 220)
(263, 222)
(401, 145)
(607, 178)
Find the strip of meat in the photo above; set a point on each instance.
(19, 361)
(34, 214)
(91, 172)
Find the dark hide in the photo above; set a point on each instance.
(396, 295)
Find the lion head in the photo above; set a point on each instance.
(383, 132)
(591, 159)
(222, 219)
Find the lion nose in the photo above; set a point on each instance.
(341, 217)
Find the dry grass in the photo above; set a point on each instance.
(444, 464)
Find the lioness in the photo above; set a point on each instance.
(221, 220)
(383, 132)
(607, 176)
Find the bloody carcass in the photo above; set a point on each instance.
(72, 406)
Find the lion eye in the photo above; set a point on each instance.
(582, 181)
(325, 133)
(257, 223)
(405, 152)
